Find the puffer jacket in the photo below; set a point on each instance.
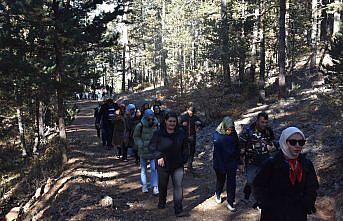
(142, 135)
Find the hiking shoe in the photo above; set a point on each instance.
(181, 214)
(161, 205)
(231, 207)
(145, 189)
(218, 199)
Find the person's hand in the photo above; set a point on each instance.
(184, 124)
(160, 162)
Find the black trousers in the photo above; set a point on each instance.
(177, 178)
(108, 132)
(230, 177)
(123, 151)
(191, 154)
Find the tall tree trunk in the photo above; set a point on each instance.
(164, 51)
(314, 35)
(242, 54)
(336, 19)
(41, 121)
(225, 42)
(39, 130)
(21, 132)
(180, 69)
(282, 50)
(254, 46)
(123, 80)
(59, 91)
(262, 92)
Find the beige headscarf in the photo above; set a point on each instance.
(286, 133)
(224, 125)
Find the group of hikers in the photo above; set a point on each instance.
(280, 181)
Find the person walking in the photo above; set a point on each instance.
(256, 144)
(226, 155)
(171, 149)
(135, 118)
(286, 187)
(106, 116)
(142, 135)
(190, 122)
(119, 134)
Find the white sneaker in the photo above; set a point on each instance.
(218, 199)
(155, 190)
(231, 207)
(145, 189)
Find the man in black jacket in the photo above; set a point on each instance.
(106, 118)
(189, 121)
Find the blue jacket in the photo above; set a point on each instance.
(226, 150)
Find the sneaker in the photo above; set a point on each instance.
(155, 190)
(218, 199)
(145, 189)
(231, 207)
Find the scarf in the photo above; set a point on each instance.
(295, 171)
(224, 125)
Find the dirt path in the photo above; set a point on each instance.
(93, 173)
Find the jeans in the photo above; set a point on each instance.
(252, 171)
(230, 177)
(153, 171)
(163, 179)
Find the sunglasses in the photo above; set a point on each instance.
(294, 142)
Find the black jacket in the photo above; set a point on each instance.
(276, 196)
(190, 129)
(172, 148)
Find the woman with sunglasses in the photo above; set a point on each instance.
(286, 187)
(225, 160)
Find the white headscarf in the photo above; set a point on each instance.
(286, 133)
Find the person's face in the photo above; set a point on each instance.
(150, 120)
(156, 110)
(295, 144)
(262, 123)
(190, 113)
(138, 113)
(229, 130)
(171, 123)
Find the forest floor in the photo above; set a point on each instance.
(93, 172)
